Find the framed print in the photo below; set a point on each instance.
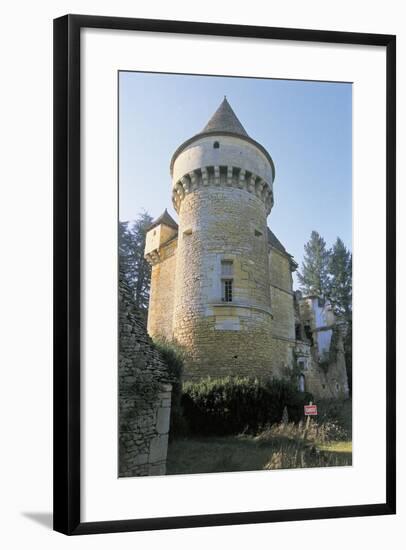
(224, 274)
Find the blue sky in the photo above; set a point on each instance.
(306, 127)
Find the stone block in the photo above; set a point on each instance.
(162, 420)
(157, 469)
(140, 459)
(158, 448)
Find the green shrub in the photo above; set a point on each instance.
(235, 405)
(336, 412)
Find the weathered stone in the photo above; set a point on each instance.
(143, 378)
(140, 459)
(162, 421)
(157, 469)
(158, 448)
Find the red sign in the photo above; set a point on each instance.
(310, 410)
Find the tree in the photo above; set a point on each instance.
(135, 269)
(340, 295)
(313, 277)
(340, 280)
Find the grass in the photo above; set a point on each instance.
(278, 447)
(337, 447)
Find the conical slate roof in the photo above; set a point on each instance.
(166, 219)
(225, 120)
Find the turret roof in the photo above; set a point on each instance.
(166, 219)
(225, 120)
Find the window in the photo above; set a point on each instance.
(216, 145)
(226, 280)
(226, 268)
(257, 233)
(227, 290)
(298, 331)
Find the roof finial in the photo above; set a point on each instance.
(225, 120)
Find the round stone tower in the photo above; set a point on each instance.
(222, 192)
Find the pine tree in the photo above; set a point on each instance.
(340, 295)
(340, 280)
(124, 251)
(313, 277)
(135, 269)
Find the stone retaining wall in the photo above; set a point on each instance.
(144, 396)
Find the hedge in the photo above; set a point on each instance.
(234, 405)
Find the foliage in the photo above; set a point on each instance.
(311, 431)
(173, 358)
(340, 295)
(340, 279)
(234, 405)
(336, 412)
(348, 353)
(313, 277)
(135, 269)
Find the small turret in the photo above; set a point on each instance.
(160, 232)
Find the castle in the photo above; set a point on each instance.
(221, 283)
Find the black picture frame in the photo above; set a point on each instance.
(67, 288)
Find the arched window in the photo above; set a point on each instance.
(216, 145)
(301, 383)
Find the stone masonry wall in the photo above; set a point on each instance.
(219, 353)
(144, 396)
(283, 322)
(219, 223)
(281, 296)
(160, 312)
(329, 381)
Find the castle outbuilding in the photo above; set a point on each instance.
(221, 283)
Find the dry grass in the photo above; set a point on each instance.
(324, 442)
(279, 447)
